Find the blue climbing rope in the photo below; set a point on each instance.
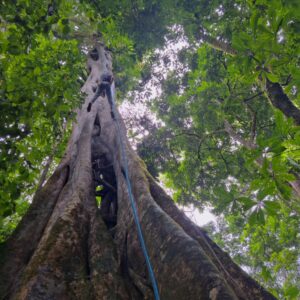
(132, 201)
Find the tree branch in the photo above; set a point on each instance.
(45, 171)
(252, 97)
(216, 44)
(237, 137)
(281, 101)
(185, 132)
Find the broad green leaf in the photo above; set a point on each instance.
(247, 203)
(257, 217)
(272, 207)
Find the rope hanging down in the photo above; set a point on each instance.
(111, 100)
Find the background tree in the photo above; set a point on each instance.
(226, 139)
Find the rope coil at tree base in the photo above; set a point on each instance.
(131, 198)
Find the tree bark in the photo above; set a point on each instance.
(216, 44)
(66, 247)
(235, 136)
(281, 101)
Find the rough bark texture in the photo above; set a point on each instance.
(281, 101)
(68, 248)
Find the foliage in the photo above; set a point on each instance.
(221, 143)
(42, 50)
(39, 90)
(225, 145)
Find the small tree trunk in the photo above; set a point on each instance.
(68, 248)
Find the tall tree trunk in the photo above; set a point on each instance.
(68, 248)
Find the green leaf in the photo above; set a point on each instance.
(254, 20)
(272, 207)
(246, 202)
(292, 292)
(264, 192)
(272, 77)
(265, 273)
(98, 200)
(257, 217)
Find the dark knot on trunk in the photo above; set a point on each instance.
(94, 54)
